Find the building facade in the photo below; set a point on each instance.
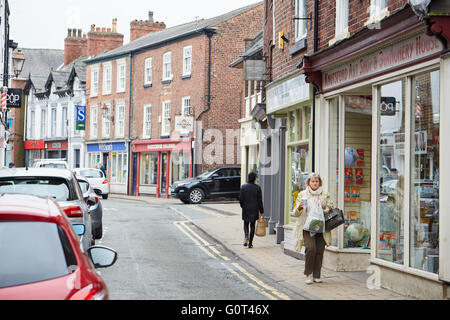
(380, 76)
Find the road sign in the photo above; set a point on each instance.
(81, 118)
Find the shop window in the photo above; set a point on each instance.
(149, 168)
(424, 232)
(299, 171)
(391, 164)
(180, 165)
(119, 169)
(357, 171)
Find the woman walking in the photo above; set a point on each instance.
(251, 202)
(314, 243)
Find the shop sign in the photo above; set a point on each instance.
(396, 55)
(161, 146)
(14, 98)
(388, 106)
(81, 118)
(107, 147)
(254, 70)
(287, 94)
(184, 124)
(55, 146)
(34, 145)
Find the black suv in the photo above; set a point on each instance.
(217, 183)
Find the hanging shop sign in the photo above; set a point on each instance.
(14, 98)
(399, 54)
(184, 124)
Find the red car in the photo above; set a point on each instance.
(41, 257)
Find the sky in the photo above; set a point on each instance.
(44, 23)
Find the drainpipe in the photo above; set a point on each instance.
(316, 48)
(130, 103)
(209, 34)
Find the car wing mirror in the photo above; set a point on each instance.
(102, 257)
(80, 229)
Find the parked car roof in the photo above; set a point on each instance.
(36, 172)
(28, 207)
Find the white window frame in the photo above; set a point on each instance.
(120, 116)
(54, 121)
(106, 121)
(147, 130)
(64, 124)
(342, 18)
(186, 106)
(301, 29)
(165, 115)
(107, 78)
(32, 122)
(94, 81)
(377, 11)
(44, 122)
(94, 122)
(148, 74)
(121, 75)
(187, 61)
(167, 66)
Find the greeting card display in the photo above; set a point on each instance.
(360, 161)
(359, 176)
(348, 175)
(347, 194)
(356, 196)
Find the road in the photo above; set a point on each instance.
(163, 256)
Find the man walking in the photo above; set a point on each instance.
(251, 202)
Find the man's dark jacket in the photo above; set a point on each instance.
(251, 202)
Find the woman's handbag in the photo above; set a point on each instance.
(333, 219)
(261, 227)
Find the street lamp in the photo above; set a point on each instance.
(18, 61)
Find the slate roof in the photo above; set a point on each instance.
(170, 34)
(38, 63)
(255, 48)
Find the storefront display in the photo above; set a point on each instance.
(149, 168)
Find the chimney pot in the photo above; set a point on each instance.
(103, 30)
(150, 16)
(92, 27)
(69, 33)
(79, 33)
(108, 30)
(97, 29)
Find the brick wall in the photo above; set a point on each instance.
(139, 29)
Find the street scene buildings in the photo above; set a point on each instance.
(353, 90)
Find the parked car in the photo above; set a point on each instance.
(217, 183)
(42, 255)
(96, 179)
(59, 184)
(96, 211)
(50, 163)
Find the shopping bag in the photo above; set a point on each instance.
(261, 227)
(315, 222)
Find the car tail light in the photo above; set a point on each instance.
(105, 182)
(73, 212)
(96, 199)
(91, 293)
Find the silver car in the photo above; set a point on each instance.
(95, 210)
(59, 184)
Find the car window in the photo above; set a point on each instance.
(223, 173)
(84, 186)
(36, 252)
(91, 173)
(205, 174)
(53, 165)
(56, 188)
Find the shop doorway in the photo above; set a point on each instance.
(164, 172)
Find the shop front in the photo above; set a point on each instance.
(380, 114)
(159, 163)
(290, 99)
(114, 157)
(34, 150)
(56, 149)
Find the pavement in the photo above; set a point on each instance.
(225, 226)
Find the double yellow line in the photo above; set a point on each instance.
(211, 251)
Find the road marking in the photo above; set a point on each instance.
(178, 225)
(262, 284)
(205, 243)
(211, 213)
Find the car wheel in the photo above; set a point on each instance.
(105, 197)
(98, 233)
(196, 196)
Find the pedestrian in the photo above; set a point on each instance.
(102, 168)
(12, 165)
(314, 243)
(251, 202)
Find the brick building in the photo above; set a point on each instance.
(181, 88)
(366, 115)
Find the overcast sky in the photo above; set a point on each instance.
(44, 23)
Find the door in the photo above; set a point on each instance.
(222, 182)
(163, 176)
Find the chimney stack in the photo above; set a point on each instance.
(139, 29)
(74, 45)
(103, 39)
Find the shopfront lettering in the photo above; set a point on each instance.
(106, 147)
(396, 55)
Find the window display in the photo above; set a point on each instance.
(119, 167)
(333, 164)
(424, 251)
(390, 231)
(299, 171)
(180, 166)
(149, 168)
(357, 170)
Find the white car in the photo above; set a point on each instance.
(96, 179)
(50, 163)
